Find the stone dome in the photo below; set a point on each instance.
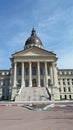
(33, 40)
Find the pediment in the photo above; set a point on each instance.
(34, 51)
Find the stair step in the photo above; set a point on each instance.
(33, 94)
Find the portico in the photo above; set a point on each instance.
(37, 74)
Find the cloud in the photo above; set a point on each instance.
(58, 35)
(59, 25)
(53, 22)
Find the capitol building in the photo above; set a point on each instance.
(34, 75)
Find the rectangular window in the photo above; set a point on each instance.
(20, 71)
(64, 89)
(59, 89)
(61, 97)
(42, 83)
(48, 70)
(26, 82)
(4, 81)
(68, 83)
(49, 82)
(71, 73)
(34, 71)
(27, 71)
(63, 83)
(69, 89)
(59, 83)
(70, 97)
(62, 72)
(41, 71)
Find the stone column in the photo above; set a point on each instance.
(51, 74)
(38, 73)
(46, 82)
(55, 82)
(30, 75)
(15, 74)
(55, 77)
(23, 82)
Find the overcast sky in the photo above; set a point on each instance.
(52, 20)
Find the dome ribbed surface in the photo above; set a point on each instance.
(33, 40)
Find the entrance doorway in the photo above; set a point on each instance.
(34, 83)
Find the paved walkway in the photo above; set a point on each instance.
(20, 118)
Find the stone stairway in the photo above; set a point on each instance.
(32, 94)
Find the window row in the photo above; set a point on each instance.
(65, 72)
(65, 89)
(65, 79)
(34, 83)
(64, 83)
(65, 97)
(4, 73)
(34, 71)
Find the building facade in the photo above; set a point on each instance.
(5, 85)
(65, 82)
(34, 75)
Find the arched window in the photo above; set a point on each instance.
(34, 83)
(65, 97)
